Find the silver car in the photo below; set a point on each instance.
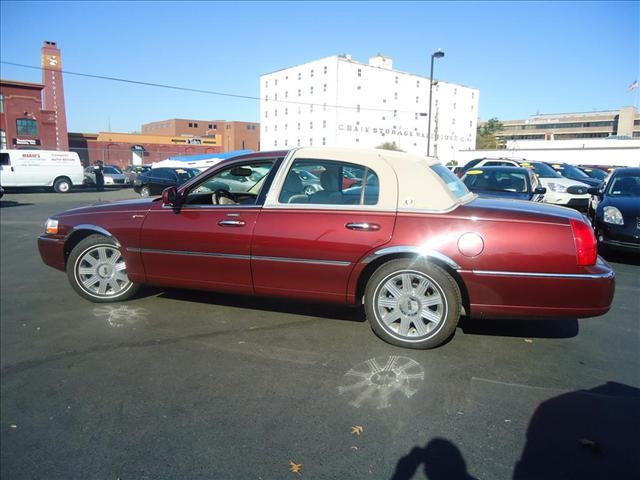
(113, 176)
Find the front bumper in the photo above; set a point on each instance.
(619, 237)
(52, 251)
(579, 202)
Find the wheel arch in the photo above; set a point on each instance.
(374, 261)
(79, 233)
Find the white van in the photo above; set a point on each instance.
(40, 168)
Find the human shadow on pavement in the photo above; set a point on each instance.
(584, 434)
(295, 307)
(506, 327)
(440, 459)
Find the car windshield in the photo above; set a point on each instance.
(501, 180)
(566, 169)
(112, 170)
(596, 173)
(454, 184)
(624, 186)
(542, 170)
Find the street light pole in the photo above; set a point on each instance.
(438, 54)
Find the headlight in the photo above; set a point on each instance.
(556, 187)
(108, 180)
(613, 215)
(51, 227)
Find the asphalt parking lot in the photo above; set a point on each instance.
(190, 385)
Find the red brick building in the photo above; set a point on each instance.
(23, 121)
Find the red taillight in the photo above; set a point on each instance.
(586, 244)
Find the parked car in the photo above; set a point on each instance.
(560, 190)
(41, 168)
(515, 183)
(310, 181)
(574, 173)
(153, 181)
(418, 252)
(113, 176)
(599, 173)
(489, 162)
(615, 210)
(132, 171)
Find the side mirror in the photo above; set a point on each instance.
(170, 196)
(540, 190)
(593, 191)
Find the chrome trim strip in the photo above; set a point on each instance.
(414, 251)
(610, 274)
(95, 228)
(336, 263)
(188, 253)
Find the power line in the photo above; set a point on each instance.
(210, 92)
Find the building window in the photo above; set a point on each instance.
(286, 111)
(286, 94)
(453, 121)
(357, 140)
(324, 124)
(324, 87)
(210, 126)
(299, 92)
(311, 90)
(275, 128)
(298, 142)
(359, 72)
(27, 126)
(312, 73)
(395, 95)
(418, 84)
(310, 125)
(471, 123)
(3, 140)
(299, 76)
(248, 127)
(275, 112)
(417, 99)
(275, 143)
(275, 97)
(286, 126)
(473, 94)
(286, 143)
(455, 91)
(454, 105)
(325, 70)
(1, 103)
(395, 113)
(266, 84)
(396, 80)
(357, 108)
(415, 116)
(311, 108)
(266, 114)
(298, 126)
(359, 87)
(310, 141)
(195, 125)
(472, 108)
(324, 140)
(276, 82)
(266, 128)
(190, 124)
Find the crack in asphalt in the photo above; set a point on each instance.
(15, 368)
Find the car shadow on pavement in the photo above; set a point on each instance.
(295, 307)
(506, 327)
(629, 258)
(11, 203)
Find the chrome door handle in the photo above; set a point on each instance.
(231, 223)
(363, 226)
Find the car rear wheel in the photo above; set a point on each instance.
(145, 191)
(62, 185)
(412, 303)
(97, 271)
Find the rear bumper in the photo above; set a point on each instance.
(541, 295)
(52, 251)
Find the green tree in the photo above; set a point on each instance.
(389, 146)
(486, 135)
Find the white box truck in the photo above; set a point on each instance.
(40, 168)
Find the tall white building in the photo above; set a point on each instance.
(339, 101)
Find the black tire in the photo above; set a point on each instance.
(421, 333)
(145, 191)
(62, 185)
(87, 247)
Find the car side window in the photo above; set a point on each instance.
(4, 159)
(238, 184)
(328, 182)
(164, 174)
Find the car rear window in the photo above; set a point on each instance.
(454, 184)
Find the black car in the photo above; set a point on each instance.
(599, 173)
(615, 210)
(574, 173)
(515, 183)
(132, 171)
(154, 181)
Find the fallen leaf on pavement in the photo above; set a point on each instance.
(528, 340)
(295, 467)
(357, 430)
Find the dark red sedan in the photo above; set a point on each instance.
(410, 242)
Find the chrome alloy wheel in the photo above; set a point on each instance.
(410, 305)
(102, 272)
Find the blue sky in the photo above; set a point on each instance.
(524, 57)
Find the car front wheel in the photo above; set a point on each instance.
(145, 191)
(412, 303)
(97, 271)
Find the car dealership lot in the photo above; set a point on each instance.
(182, 384)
